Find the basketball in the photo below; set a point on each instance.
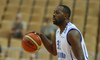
(31, 42)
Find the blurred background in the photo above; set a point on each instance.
(32, 15)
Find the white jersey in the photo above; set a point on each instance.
(64, 49)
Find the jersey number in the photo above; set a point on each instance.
(59, 45)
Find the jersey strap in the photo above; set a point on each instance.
(68, 32)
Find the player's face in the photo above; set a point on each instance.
(58, 16)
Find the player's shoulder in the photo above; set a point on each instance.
(71, 24)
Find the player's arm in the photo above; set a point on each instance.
(50, 46)
(74, 39)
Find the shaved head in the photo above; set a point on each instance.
(66, 10)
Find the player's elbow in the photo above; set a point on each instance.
(81, 58)
(54, 54)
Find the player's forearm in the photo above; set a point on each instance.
(47, 43)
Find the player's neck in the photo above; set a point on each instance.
(62, 27)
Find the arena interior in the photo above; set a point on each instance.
(85, 15)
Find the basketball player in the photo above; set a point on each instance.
(69, 43)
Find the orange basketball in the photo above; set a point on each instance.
(31, 42)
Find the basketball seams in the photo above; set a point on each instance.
(30, 51)
(33, 41)
(40, 40)
(28, 46)
(36, 41)
(35, 37)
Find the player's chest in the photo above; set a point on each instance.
(61, 42)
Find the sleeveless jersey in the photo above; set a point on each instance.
(64, 49)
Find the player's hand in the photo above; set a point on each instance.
(35, 32)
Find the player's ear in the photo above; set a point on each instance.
(66, 16)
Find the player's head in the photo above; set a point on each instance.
(61, 14)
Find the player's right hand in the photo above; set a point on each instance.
(35, 32)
